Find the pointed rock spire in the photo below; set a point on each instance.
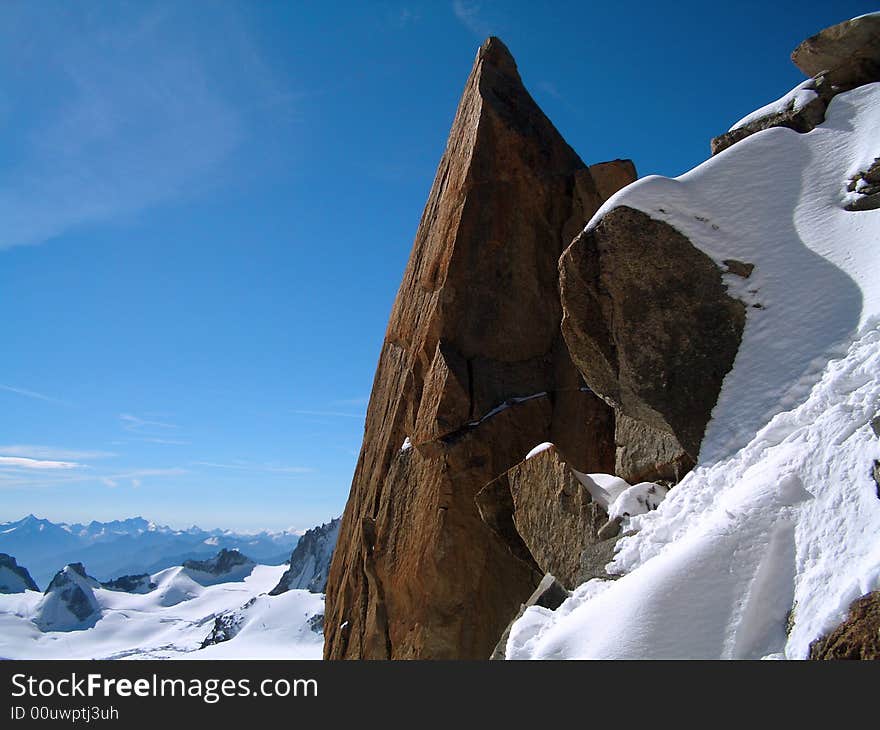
(472, 374)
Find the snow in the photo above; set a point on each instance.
(539, 449)
(761, 549)
(637, 500)
(603, 488)
(172, 621)
(796, 99)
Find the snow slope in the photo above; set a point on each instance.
(763, 546)
(171, 622)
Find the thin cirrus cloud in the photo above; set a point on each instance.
(135, 423)
(469, 15)
(32, 393)
(134, 109)
(31, 451)
(270, 468)
(21, 462)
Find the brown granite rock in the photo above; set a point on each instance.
(649, 324)
(858, 637)
(474, 372)
(612, 176)
(848, 52)
(550, 513)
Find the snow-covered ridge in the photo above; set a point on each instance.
(761, 549)
(170, 621)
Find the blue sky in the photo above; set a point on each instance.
(206, 208)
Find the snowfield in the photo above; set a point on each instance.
(172, 621)
(760, 549)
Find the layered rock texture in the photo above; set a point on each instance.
(472, 374)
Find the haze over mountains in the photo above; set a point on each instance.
(129, 546)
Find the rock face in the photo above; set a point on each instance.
(472, 374)
(310, 560)
(848, 52)
(69, 601)
(551, 521)
(225, 566)
(14, 578)
(653, 331)
(856, 638)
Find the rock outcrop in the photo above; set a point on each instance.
(848, 53)
(310, 560)
(649, 323)
(837, 59)
(225, 566)
(69, 601)
(141, 583)
(472, 374)
(14, 578)
(546, 515)
(858, 637)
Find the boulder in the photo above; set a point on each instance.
(849, 52)
(858, 637)
(550, 518)
(652, 329)
(472, 373)
(609, 177)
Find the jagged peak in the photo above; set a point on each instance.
(495, 53)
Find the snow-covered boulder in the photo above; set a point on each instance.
(69, 601)
(14, 578)
(310, 560)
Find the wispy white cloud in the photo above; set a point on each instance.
(135, 423)
(133, 113)
(469, 15)
(244, 466)
(51, 452)
(164, 442)
(21, 462)
(30, 393)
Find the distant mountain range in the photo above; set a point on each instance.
(127, 547)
